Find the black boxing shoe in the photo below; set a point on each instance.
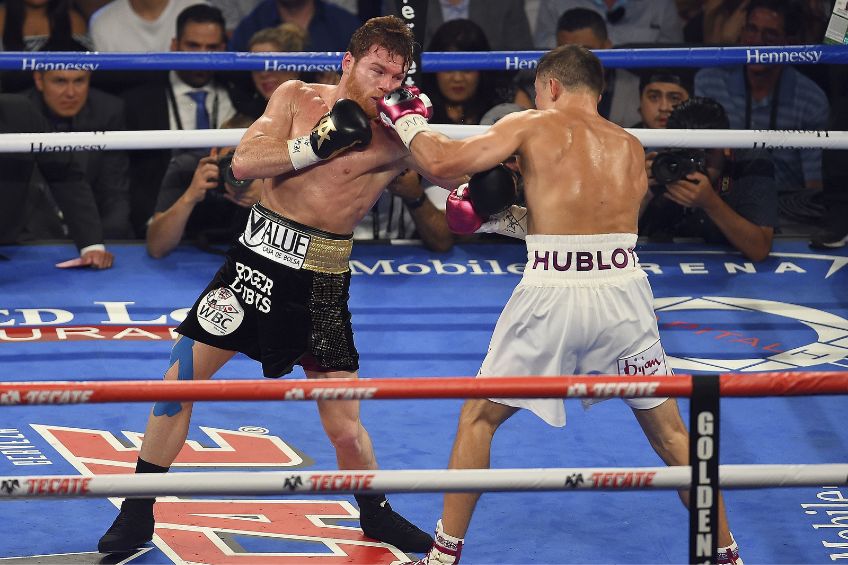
(829, 240)
(131, 529)
(385, 525)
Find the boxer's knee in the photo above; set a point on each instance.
(483, 415)
(181, 367)
(345, 434)
(673, 447)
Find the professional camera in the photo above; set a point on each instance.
(674, 164)
(225, 175)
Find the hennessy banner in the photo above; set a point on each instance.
(414, 13)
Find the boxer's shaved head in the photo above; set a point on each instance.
(574, 66)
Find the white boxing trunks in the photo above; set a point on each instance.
(583, 306)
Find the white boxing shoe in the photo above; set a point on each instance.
(729, 555)
(445, 551)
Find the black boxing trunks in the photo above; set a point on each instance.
(280, 298)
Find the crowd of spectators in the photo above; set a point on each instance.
(740, 198)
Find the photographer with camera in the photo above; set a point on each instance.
(709, 194)
(200, 199)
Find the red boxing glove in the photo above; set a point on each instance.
(460, 213)
(406, 110)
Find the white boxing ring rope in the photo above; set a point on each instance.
(454, 480)
(186, 139)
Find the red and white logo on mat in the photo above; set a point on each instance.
(226, 531)
(220, 313)
(268, 532)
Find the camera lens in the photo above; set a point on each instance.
(671, 166)
(225, 174)
(666, 168)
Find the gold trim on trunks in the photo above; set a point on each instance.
(328, 255)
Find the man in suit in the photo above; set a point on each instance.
(68, 103)
(630, 21)
(64, 176)
(328, 26)
(620, 98)
(504, 22)
(190, 99)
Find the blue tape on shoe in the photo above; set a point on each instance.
(182, 353)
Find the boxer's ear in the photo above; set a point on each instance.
(347, 61)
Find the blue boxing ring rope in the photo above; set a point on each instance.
(431, 62)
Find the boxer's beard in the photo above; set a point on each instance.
(195, 79)
(356, 93)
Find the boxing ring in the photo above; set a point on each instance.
(780, 326)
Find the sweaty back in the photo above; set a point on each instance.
(582, 174)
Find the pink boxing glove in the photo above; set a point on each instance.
(460, 213)
(406, 110)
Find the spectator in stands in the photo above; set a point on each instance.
(834, 226)
(630, 21)
(719, 22)
(30, 25)
(123, 25)
(188, 99)
(815, 17)
(459, 96)
(329, 27)
(720, 199)
(198, 201)
(524, 89)
(688, 9)
(764, 96)
(88, 7)
(620, 98)
(504, 22)
(234, 11)
(38, 25)
(27, 212)
(68, 103)
(531, 8)
(409, 209)
(660, 91)
(284, 38)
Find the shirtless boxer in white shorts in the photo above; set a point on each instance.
(583, 300)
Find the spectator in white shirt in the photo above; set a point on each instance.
(136, 25)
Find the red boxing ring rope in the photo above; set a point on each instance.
(596, 386)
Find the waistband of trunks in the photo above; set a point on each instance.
(295, 245)
(587, 257)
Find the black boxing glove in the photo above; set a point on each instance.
(343, 127)
(492, 191)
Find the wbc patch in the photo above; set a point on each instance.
(220, 313)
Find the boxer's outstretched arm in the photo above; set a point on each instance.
(443, 157)
(448, 183)
(262, 151)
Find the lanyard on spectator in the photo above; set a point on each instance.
(773, 104)
(172, 101)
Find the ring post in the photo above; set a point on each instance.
(703, 458)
